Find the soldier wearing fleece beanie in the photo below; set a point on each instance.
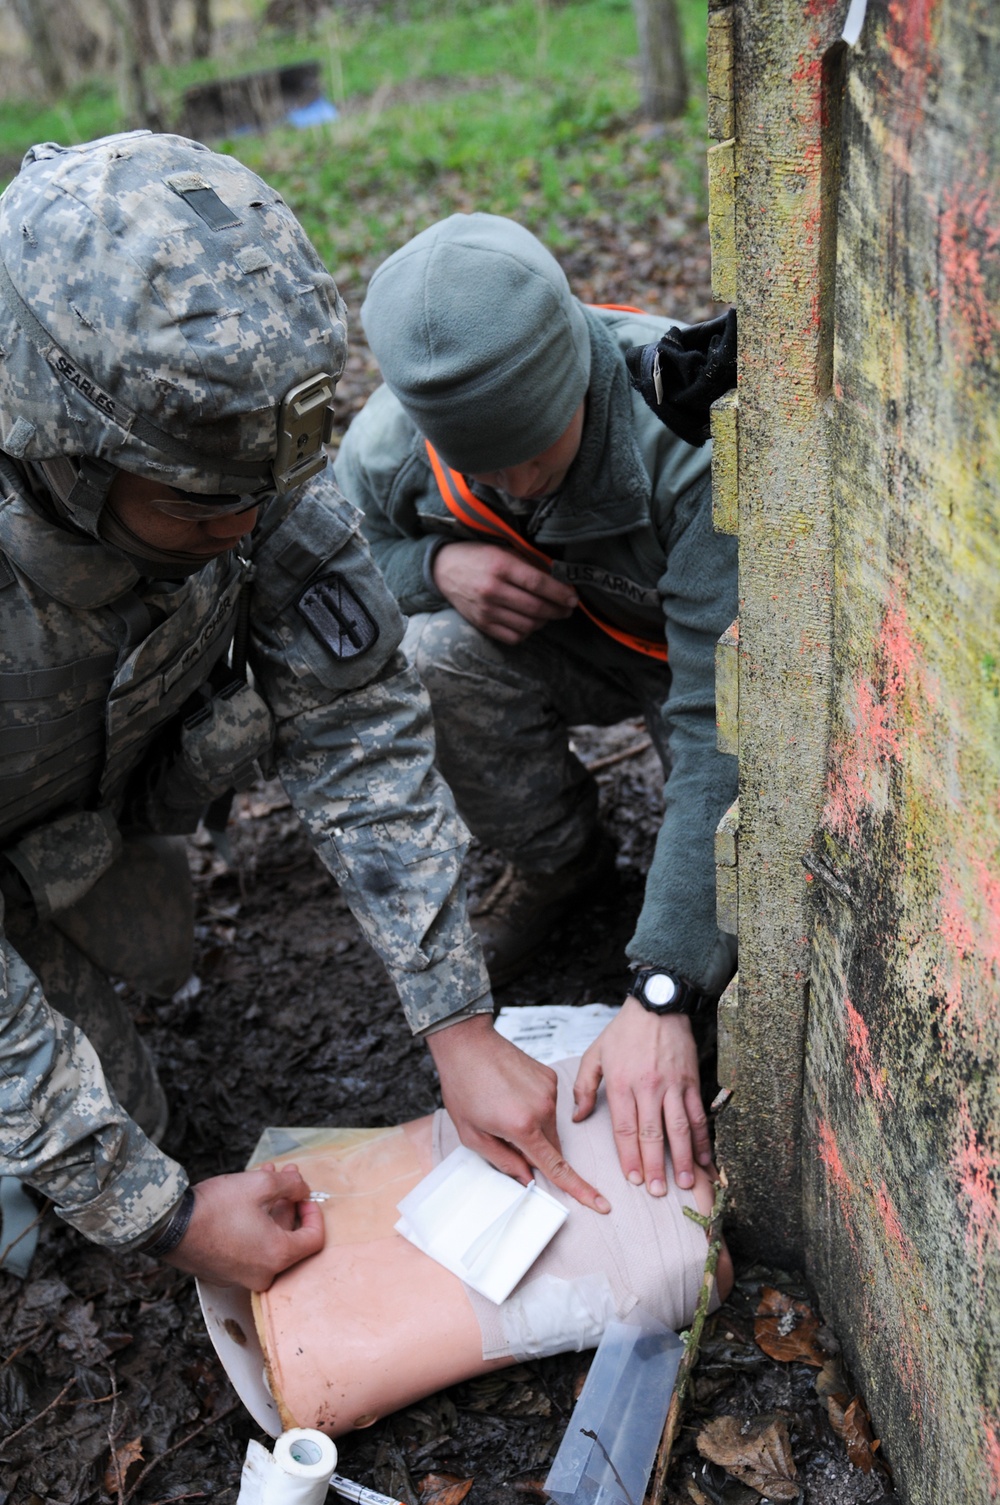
(552, 544)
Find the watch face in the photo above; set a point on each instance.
(659, 988)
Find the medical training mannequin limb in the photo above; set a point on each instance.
(371, 1324)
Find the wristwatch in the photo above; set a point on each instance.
(662, 993)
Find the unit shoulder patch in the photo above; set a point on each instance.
(335, 615)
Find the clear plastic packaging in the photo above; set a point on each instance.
(607, 1453)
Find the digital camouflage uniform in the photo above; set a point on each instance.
(114, 725)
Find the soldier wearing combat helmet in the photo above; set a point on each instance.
(169, 348)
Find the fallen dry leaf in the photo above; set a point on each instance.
(122, 1459)
(831, 1380)
(443, 1489)
(786, 1329)
(757, 1452)
(851, 1421)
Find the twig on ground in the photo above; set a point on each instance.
(16, 1353)
(119, 1476)
(176, 1447)
(610, 759)
(713, 1225)
(43, 1412)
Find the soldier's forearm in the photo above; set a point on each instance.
(384, 823)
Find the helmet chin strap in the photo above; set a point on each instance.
(79, 488)
(166, 564)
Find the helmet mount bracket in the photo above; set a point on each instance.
(305, 424)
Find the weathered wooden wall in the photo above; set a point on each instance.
(863, 197)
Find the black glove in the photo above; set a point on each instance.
(684, 372)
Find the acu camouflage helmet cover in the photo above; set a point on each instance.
(158, 305)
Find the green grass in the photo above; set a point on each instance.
(515, 108)
(520, 107)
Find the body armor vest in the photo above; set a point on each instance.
(91, 672)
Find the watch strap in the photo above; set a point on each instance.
(687, 999)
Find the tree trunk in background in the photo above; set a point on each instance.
(63, 46)
(661, 57)
(140, 104)
(44, 52)
(80, 45)
(201, 45)
(150, 25)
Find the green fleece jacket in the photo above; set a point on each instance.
(631, 530)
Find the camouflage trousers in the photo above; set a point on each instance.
(502, 717)
(137, 924)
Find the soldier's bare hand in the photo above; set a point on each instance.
(649, 1064)
(503, 1105)
(248, 1227)
(499, 592)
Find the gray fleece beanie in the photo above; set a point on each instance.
(478, 335)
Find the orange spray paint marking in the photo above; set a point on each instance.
(860, 1056)
(848, 793)
(955, 927)
(892, 1225)
(911, 27)
(991, 1432)
(989, 888)
(808, 75)
(969, 237)
(978, 1172)
(829, 1154)
(991, 1451)
(909, 39)
(968, 937)
(874, 744)
(877, 738)
(899, 652)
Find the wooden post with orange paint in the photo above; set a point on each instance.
(856, 224)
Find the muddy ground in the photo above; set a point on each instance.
(109, 1387)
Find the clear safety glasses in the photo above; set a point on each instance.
(194, 506)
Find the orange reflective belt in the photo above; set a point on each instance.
(475, 514)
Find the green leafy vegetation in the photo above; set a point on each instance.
(516, 108)
(91, 110)
(522, 107)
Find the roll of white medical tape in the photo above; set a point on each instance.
(303, 1463)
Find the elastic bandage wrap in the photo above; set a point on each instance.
(597, 1267)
